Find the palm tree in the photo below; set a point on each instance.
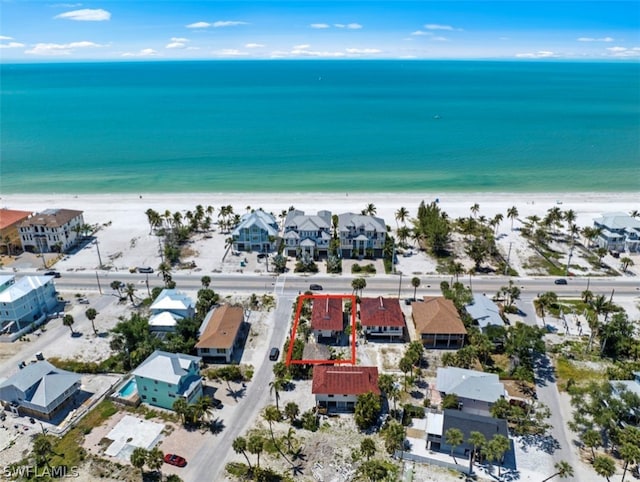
(181, 407)
(130, 291)
(592, 439)
(630, 453)
(475, 209)
(117, 285)
(415, 282)
(370, 210)
(206, 281)
(604, 466)
(476, 440)
(138, 459)
(240, 447)
(155, 459)
(403, 234)
(358, 284)
(454, 437)
(401, 215)
(290, 439)
(634, 213)
(512, 213)
(274, 387)
(255, 445)
(497, 219)
(91, 314)
(69, 321)
(625, 262)
(499, 446)
(563, 470)
(42, 448)
(291, 411)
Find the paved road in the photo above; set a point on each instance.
(208, 463)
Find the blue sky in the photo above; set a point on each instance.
(136, 30)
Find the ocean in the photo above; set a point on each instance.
(321, 126)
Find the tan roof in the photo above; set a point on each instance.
(10, 216)
(437, 315)
(222, 328)
(52, 218)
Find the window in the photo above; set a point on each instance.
(331, 396)
(172, 395)
(153, 399)
(144, 397)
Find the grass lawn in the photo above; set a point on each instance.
(581, 375)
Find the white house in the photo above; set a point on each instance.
(169, 307)
(28, 300)
(257, 231)
(337, 387)
(476, 391)
(220, 333)
(361, 235)
(307, 233)
(50, 230)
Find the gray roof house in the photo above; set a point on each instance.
(307, 233)
(169, 307)
(476, 391)
(257, 231)
(164, 377)
(633, 387)
(39, 390)
(620, 232)
(361, 235)
(484, 311)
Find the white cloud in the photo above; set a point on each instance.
(231, 53)
(363, 51)
(591, 39)
(421, 32)
(3, 37)
(253, 46)
(141, 53)
(440, 39)
(66, 5)
(177, 43)
(319, 25)
(435, 26)
(228, 23)
(624, 51)
(60, 49)
(541, 54)
(350, 26)
(199, 25)
(11, 45)
(86, 15)
(301, 47)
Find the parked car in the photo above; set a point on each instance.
(217, 404)
(145, 269)
(315, 287)
(274, 354)
(55, 274)
(560, 281)
(83, 301)
(173, 459)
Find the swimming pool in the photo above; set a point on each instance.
(129, 389)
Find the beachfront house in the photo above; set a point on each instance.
(168, 308)
(361, 235)
(51, 230)
(438, 323)
(336, 388)
(10, 220)
(327, 317)
(476, 391)
(632, 387)
(307, 233)
(39, 390)
(484, 312)
(438, 424)
(25, 301)
(257, 231)
(619, 232)
(382, 318)
(165, 377)
(220, 333)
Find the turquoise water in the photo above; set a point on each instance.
(129, 389)
(335, 126)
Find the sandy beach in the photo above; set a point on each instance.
(125, 241)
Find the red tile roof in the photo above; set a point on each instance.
(437, 315)
(344, 380)
(9, 217)
(381, 312)
(327, 314)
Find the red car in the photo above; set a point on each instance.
(173, 459)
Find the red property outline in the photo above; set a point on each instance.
(294, 330)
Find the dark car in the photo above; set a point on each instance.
(217, 404)
(274, 354)
(145, 269)
(315, 287)
(560, 281)
(173, 459)
(55, 274)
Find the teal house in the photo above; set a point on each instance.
(165, 377)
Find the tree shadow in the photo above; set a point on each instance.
(546, 443)
(236, 394)
(545, 373)
(216, 426)
(297, 469)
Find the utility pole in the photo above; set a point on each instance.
(506, 268)
(98, 280)
(98, 250)
(569, 261)
(400, 285)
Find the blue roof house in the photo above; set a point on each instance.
(257, 231)
(484, 312)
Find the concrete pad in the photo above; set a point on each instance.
(132, 432)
